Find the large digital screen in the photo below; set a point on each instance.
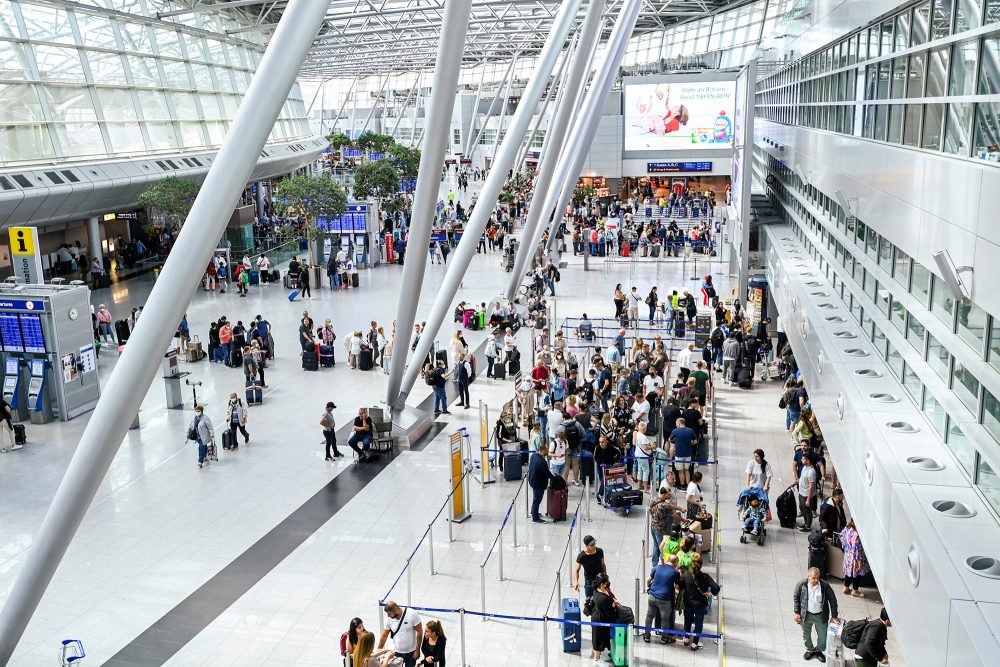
(679, 116)
(31, 328)
(10, 331)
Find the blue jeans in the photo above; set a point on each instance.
(751, 524)
(202, 451)
(790, 418)
(655, 548)
(717, 353)
(408, 659)
(652, 313)
(695, 618)
(335, 281)
(440, 399)
(363, 437)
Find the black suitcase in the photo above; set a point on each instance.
(513, 367)
(310, 360)
(254, 392)
(785, 506)
(499, 373)
(122, 331)
(326, 359)
(441, 355)
(365, 360)
(624, 497)
(511, 466)
(679, 325)
(744, 378)
(227, 440)
(236, 358)
(355, 280)
(20, 435)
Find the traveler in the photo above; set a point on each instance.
(814, 604)
(591, 561)
(651, 301)
(329, 425)
(105, 322)
(808, 484)
(406, 629)
(730, 353)
(662, 585)
(871, 649)
(225, 351)
(464, 375)
(695, 498)
(605, 611)
(538, 479)
(698, 589)
(644, 448)
(619, 301)
(434, 645)
(759, 473)
(682, 438)
(685, 359)
(7, 441)
(492, 352)
(439, 376)
(702, 382)
(557, 453)
(354, 631)
(663, 514)
(605, 455)
(855, 560)
(304, 283)
(354, 346)
(634, 298)
(832, 518)
(96, 271)
(204, 433)
(362, 433)
(237, 412)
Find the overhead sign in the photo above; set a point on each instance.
(21, 304)
(676, 167)
(25, 255)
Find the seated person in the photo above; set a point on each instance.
(460, 311)
(363, 433)
(585, 329)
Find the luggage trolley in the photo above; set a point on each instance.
(618, 493)
(71, 652)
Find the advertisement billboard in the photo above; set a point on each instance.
(679, 116)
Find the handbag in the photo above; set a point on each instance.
(624, 615)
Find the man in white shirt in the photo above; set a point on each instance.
(640, 409)
(652, 385)
(634, 299)
(554, 420)
(684, 361)
(814, 604)
(246, 262)
(508, 342)
(406, 630)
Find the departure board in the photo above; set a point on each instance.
(31, 330)
(10, 332)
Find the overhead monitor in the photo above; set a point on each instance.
(679, 116)
(10, 331)
(31, 330)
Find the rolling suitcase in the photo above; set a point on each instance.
(558, 501)
(786, 507)
(20, 434)
(355, 280)
(467, 319)
(275, 276)
(326, 359)
(310, 360)
(571, 631)
(441, 355)
(227, 440)
(365, 359)
(122, 331)
(679, 325)
(255, 278)
(625, 249)
(480, 321)
(744, 378)
(292, 295)
(654, 251)
(236, 358)
(514, 367)
(287, 282)
(498, 371)
(817, 552)
(511, 466)
(254, 393)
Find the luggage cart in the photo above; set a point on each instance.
(71, 652)
(616, 479)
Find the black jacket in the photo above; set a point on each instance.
(832, 518)
(872, 644)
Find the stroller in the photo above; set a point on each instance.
(746, 496)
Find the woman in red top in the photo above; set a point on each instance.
(540, 375)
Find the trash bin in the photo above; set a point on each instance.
(570, 631)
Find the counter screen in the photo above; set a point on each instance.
(31, 328)
(10, 331)
(37, 367)
(11, 366)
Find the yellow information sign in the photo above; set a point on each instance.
(458, 510)
(22, 240)
(25, 257)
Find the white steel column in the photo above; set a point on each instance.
(371, 112)
(94, 241)
(399, 117)
(466, 249)
(343, 105)
(591, 111)
(181, 274)
(555, 139)
(489, 112)
(557, 82)
(438, 122)
(475, 111)
(506, 102)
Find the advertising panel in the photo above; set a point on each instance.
(679, 116)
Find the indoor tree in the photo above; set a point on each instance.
(407, 163)
(310, 197)
(172, 196)
(378, 181)
(374, 143)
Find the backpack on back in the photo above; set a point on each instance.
(852, 632)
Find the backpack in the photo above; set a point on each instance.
(718, 338)
(343, 643)
(852, 632)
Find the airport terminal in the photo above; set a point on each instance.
(385, 333)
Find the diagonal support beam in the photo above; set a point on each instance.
(466, 249)
(181, 273)
(437, 126)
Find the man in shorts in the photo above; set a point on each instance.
(683, 440)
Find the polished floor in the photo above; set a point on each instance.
(263, 557)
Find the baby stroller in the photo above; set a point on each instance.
(744, 504)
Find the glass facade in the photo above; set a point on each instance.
(941, 56)
(82, 83)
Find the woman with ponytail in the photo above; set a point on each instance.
(759, 472)
(699, 588)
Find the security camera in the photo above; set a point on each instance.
(952, 274)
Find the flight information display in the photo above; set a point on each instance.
(10, 332)
(31, 329)
(354, 220)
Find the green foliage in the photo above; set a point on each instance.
(339, 141)
(406, 160)
(310, 197)
(173, 196)
(581, 193)
(372, 142)
(378, 181)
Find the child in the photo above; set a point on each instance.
(754, 517)
(671, 543)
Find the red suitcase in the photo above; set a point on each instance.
(625, 250)
(558, 501)
(469, 319)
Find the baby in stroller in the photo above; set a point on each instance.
(753, 506)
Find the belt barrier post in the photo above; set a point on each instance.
(569, 561)
(527, 508)
(451, 536)
(500, 553)
(409, 584)
(645, 555)
(461, 625)
(558, 584)
(631, 644)
(545, 641)
(586, 490)
(637, 588)
(722, 650)
(482, 587)
(513, 516)
(430, 544)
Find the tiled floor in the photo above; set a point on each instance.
(160, 528)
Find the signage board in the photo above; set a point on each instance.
(25, 254)
(678, 115)
(676, 167)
